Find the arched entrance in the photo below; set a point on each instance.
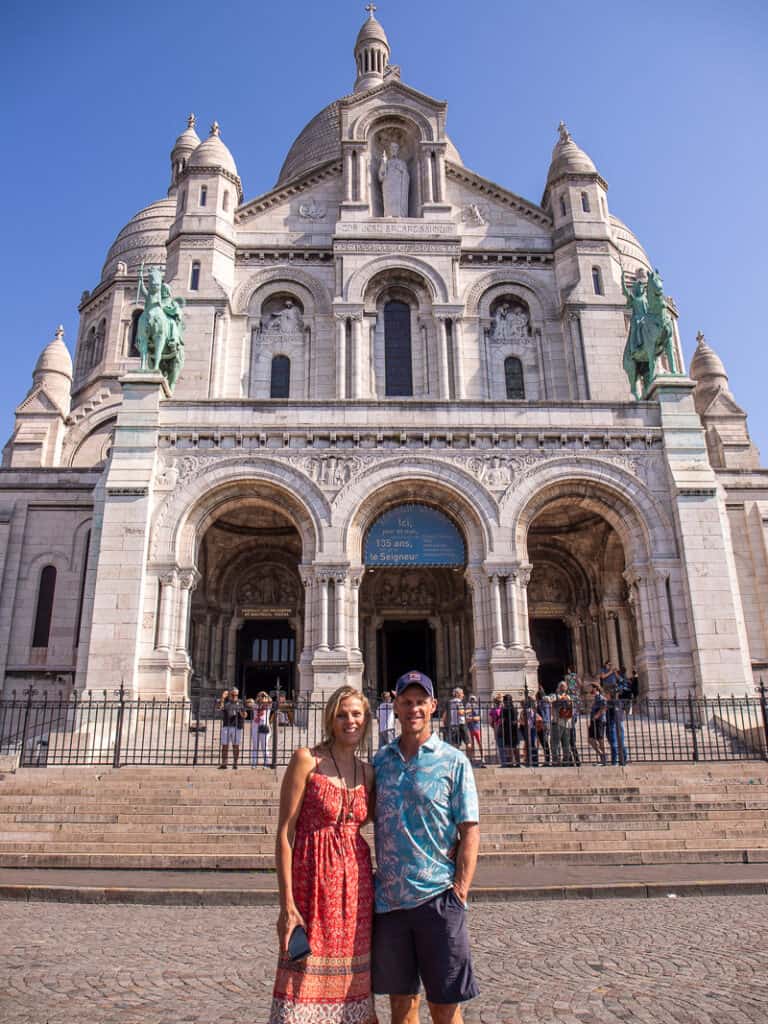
(247, 612)
(415, 610)
(578, 603)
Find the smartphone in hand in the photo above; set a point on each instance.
(298, 944)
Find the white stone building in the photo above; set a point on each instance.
(385, 333)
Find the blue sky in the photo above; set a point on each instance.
(668, 99)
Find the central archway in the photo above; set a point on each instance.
(415, 611)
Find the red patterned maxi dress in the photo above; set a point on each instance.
(333, 890)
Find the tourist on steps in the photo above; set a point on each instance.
(324, 874)
(233, 714)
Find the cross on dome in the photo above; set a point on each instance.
(216, 128)
(371, 8)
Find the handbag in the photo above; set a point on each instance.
(263, 730)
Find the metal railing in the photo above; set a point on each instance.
(115, 730)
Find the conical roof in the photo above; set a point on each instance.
(189, 140)
(54, 358)
(213, 153)
(568, 158)
(371, 32)
(706, 363)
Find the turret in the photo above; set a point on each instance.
(41, 418)
(209, 192)
(575, 194)
(725, 422)
(371, 53)
(182, 150)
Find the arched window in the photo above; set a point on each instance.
(203, 195)
(183, 201)
(90, 349)
(513, 377)
(44, 611)
(225, 200)
(585, 202)
(101, 334)
(132, 346)
(597, 281)
(398, 374)
(194, 277)
(280, 381)
(563, 207)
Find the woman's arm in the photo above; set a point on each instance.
(291, 798)
(370, 785)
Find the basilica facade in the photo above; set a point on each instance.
(402, 436)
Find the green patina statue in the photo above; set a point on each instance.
(651, 334)
(160, 334)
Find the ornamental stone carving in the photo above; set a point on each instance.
(272, 586)
(405, 590)
(475, 215)
(312, 210)
(510, 324)
(286, 325)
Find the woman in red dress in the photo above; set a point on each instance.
(325, 875)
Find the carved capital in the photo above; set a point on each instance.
(189, 578)
(168, 579)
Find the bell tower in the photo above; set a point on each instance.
(371, 53)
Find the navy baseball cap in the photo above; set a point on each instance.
(414, 678)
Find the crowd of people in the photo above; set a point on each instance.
(543, 729)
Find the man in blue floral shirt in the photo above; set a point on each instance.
(427, 841)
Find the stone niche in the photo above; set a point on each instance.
(395, 172)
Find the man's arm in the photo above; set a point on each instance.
(466, 858)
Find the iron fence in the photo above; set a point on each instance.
(115, 730)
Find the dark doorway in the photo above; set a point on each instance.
(551, 640)
(404, 645)
(266, 652)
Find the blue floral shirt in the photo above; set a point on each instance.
(419, 806)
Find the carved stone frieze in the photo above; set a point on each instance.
(330, 472)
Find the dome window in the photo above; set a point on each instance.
(194, 277)
(563, 206)
(225, 200)
(203, 195)
(585, 202)
(597, 281)
(133, 349)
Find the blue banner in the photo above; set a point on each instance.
(413, 535)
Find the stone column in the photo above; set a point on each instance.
(167, 584)
(187, 583)
(355, 579)
(610, 629)
(348, 183)
(358, 361)
(626, 639)
(475, 580)
(340, 583)
(322, 582)
(426, 175)
(524, 578)
(498, 623)
(458, 364)
(443, 365)
(341, 355)
(512, 626)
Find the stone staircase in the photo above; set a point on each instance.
(198, 819)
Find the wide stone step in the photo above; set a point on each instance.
(249, 862)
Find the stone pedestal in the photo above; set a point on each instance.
(120, 541)
(710, 592)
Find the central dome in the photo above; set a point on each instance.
(320, 141)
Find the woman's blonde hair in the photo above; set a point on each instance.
(332, 709)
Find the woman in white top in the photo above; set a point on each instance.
(261, 732)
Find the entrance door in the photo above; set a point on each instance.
(552, 642)
(402, 646)
(266, 652)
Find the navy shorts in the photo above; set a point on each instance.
(429, 942)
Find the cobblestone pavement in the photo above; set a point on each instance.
(683, 961)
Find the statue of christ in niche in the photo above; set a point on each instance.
(395, 182)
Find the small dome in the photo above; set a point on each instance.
(54, 358)
(213, 153)
(142, 238)
(568, 158)
(189, 140)
(706, 363)
(627, 243)
(371, 32)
